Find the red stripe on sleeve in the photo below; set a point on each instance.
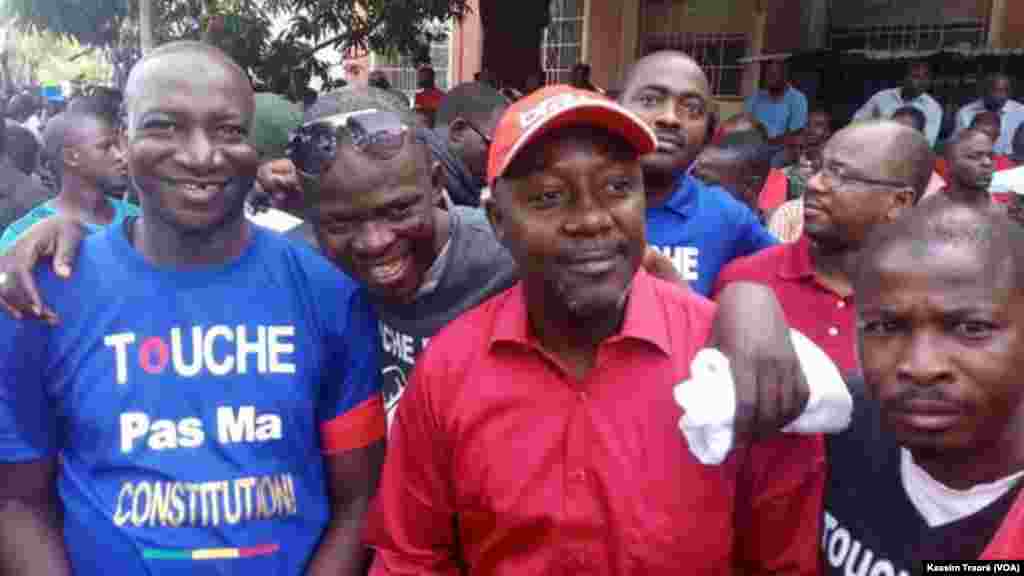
(357, 428)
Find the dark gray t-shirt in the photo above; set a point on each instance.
(473, 268)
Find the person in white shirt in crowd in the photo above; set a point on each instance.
(1012, 180)
(997, 90)
(914, 92)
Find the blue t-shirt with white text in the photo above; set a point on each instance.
(191, 409)
(702, 228)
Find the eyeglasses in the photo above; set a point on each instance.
(838, 177)
(314, 146)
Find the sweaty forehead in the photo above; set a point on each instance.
(189, 81)
(963, 273)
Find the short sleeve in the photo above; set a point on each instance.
(351, 411)
(28, 416)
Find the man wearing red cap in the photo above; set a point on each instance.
(538, 435)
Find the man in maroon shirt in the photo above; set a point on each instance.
(538, 434)
(869, 173)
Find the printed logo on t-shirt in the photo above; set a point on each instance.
(398, 356)
(209, 352)
(842, 549)
(684, 258)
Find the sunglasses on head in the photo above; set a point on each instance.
(314, 146)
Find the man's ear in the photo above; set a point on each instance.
(494, 213)
(437, 182)
(457, 131)
(69, 156)
(901, 201)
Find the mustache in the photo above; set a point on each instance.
(902, 401)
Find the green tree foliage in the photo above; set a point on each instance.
(283, 62)
(50, 59)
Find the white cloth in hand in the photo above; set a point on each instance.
(708, 400)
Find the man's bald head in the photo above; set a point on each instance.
(186, 58)
(899, 152)
(678, 62)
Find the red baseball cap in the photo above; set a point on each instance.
(555, 107)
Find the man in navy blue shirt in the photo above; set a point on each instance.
(700, 227)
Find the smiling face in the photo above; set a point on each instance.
(942, 346)
(671, 94)
(377, 218)
(571, 212)
(187, 144)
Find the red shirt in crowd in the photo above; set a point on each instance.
(1008, 543)
(828, 319)
(773, 193)
(541, 473)
(429, 99)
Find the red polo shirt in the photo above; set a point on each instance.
(819, 313)
(499, 457)
(429, 99)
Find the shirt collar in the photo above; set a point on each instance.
(796, 264)
(682, 199)
(644, 320)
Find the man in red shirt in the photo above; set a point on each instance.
(869, 173)
(428, 97)
(930, 468)
(538, 434)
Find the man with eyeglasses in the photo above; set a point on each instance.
(867, 174)
(208, 403)
(699, 227)
(465, 120)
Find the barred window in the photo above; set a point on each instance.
(400, 69)
(562, 45)
(903, 37)
(718, 54)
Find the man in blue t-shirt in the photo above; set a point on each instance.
(88, 164)
(780, 107)
(701, 228)
(200, 430)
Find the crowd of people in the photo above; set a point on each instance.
(449, 334)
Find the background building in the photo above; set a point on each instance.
(725, 36)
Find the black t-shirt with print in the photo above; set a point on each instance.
(871, 527)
